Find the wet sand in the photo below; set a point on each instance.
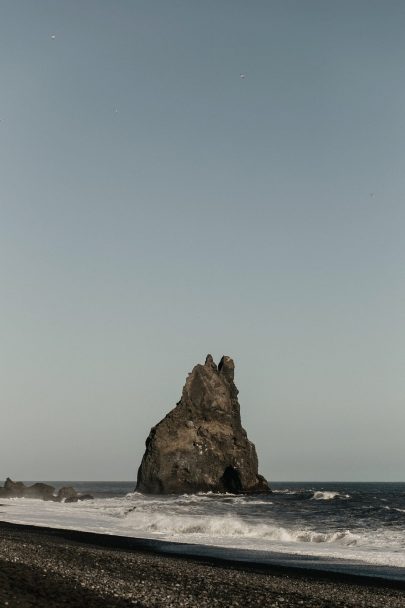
(41, 567)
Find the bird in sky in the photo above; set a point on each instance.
(53, 36)
(242, 76)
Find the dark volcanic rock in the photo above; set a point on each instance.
(85, 497)
(67, 493)
(43, 491)
(200, 445)
(14, 488)
(40, 490)
(17, 489)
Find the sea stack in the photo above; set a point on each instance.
(200, 445)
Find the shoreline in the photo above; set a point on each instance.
(53, 567)
(336, 569)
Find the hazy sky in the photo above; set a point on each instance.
(155, 206)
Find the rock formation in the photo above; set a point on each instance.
(200, 445)
(67, 493)
(43, 491)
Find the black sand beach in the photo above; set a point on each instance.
(41, 567)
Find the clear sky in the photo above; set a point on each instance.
(155, 206)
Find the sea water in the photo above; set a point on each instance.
(350, 521)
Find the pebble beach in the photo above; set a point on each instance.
(38, 568)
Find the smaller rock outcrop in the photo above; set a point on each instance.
(42, 491)
(67, 493)
(13, 488)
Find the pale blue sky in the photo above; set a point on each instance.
(155, 207)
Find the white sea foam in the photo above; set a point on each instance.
(328, 495)
(222, 521)
(394, 509)
(286, 491)
(228, 526)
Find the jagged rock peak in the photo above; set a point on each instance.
(201, 445)
(209, 361)
(227, 368)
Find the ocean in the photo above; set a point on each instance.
(355, 522)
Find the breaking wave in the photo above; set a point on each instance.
(287, 491)
(328, 495)
(394, 509)
(231, 527)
